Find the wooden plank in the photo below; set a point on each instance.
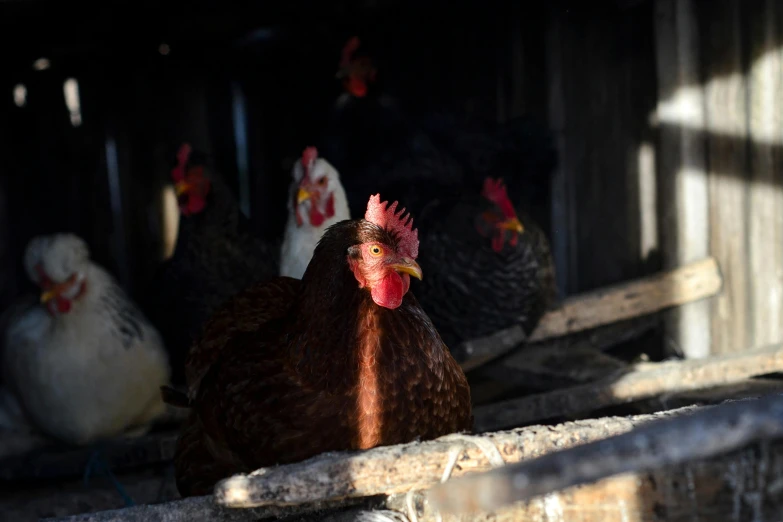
(406, 467)
(645, 381)
(765, 113)
(726, 126)
(647, 295)
(739, 487)
(542, 369)
(682, 180)
(711, 487)
(685, 284)
(707, 433)
(745, 389)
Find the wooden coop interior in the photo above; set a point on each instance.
(664, 211)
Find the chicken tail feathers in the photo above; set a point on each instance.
(175, 397)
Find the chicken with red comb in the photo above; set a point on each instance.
(216, 256)
(316, 200)
(343, 359)
(489, 265)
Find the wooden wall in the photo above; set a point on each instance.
(667, 115)
(669, 118)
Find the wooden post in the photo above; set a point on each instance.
(683, 192)
(726, 130)
(563, 238)
(765, 115)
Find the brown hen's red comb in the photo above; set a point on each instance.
(495, 191)
(348, 49)
(183, 156)
(401, 225)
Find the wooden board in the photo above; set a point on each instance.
(682, 178)
(726, 128)
(686, 284)
(740, 487)
(645, 380)
(765, 115)
(706, 433)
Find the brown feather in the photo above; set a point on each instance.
(292, 369)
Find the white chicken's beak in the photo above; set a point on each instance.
(48, 296)
(302, 195)
(410, 267)
(181, 187)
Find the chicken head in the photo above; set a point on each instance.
(385, 267)
(318, 190)
(356, 72)
(501, 223)
(190, 183)
(56, 264)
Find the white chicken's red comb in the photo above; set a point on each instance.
(309, 156)
(348, 49)
(495, 191)
(401, 225)
(183, 156)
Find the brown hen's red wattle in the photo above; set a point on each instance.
(290, 369)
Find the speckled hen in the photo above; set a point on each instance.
(489, 266)
(84, 364)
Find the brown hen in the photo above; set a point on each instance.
(344, 359)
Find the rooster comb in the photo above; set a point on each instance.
(348, 49)
(309, 156)
(495, 191)
(398, 222)
(183, 156)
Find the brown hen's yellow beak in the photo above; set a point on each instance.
(302, 195)
(410, 267)
(513, 224)
(180, 187)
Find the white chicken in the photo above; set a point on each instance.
(316, 201)
(84, 365)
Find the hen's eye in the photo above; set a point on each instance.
(376, 250)
(322, 181)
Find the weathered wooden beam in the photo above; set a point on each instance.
(742, 486)
(682, 187)
(746, 389)
(394, 477)
(714, 431)
(764, 39)
(204, 509)
(726, 123)
(644, 381)
(629, 300)
(559, 362)
(542, 370)
(399, 469)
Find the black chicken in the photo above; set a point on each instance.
(488, 266)
(377, 144)
(215, 257)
